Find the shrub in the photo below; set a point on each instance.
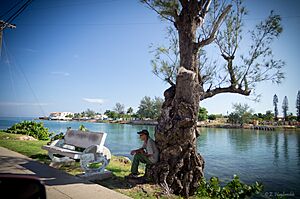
(31, 128)
(212, 117)
(233, 190)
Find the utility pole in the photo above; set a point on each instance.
(4, 25)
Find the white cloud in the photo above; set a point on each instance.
(94, 100)
(30, 50)
(22, 104)
(60, 73)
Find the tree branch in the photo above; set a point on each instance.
(170, 81)
(159, 13)
(229, 61)
(229, 89)
(211, 37)
(205, 9)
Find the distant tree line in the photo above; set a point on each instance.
(285, 108)
(242, 113)
(148, 109)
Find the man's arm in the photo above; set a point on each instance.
(140, 150)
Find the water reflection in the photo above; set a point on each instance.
(270, 157)
(276, 152)
(298, 144)
(285, 146)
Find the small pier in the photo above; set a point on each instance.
(263, 128)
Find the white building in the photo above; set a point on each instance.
(61, 116)
(101, 117)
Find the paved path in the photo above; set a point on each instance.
(59, 185)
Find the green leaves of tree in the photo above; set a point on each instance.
(241, 114)
(150, 108)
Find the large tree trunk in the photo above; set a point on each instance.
(181, 166)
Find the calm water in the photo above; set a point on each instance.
(269, 157)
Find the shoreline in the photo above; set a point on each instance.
(199, 124)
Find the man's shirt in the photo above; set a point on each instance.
(151, 148)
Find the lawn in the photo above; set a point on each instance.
(30, 148)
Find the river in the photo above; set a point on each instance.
(270, 157)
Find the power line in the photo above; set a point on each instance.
(10, 60)
(18, 12)
(2, 16)
(7, 23)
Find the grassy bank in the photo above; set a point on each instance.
(119, 166)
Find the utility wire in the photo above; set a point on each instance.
(21, 9)
(18, 66)
(2, 16)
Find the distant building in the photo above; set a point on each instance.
(61, 116)
(101, 117)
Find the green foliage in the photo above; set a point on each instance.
(129, 111)
(82, 128)
(31, 128)
(69, 116)
(119, 108)
(285, 107)
(202, 114)
(268, 116)
(150, 108)
(242, 114)
(111, 114)
(57, 137)
(298, 106)
(233, 190)
(291, 118)
(275, 101)
(212, 117)
(89, 113)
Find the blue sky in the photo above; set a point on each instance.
(70, 55)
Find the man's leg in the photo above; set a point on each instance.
(136, 161)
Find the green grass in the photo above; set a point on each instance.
(29, 148)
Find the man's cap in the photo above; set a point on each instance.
(144, 131)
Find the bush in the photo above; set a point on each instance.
(212, 117)
(233, 190)
(31, 128)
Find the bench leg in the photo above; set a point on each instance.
(87, 159)
(94, 163)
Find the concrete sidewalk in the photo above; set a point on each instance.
(58, 183)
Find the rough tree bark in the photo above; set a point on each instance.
(181, 166)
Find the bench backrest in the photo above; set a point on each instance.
(85, 139)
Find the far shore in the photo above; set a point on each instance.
(199, 124)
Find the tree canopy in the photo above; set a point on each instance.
(150, 108)
(241, 114)
(240, 68)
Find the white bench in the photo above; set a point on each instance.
(94, 150)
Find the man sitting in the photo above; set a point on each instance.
(147, 154)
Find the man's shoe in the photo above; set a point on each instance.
(133, 175)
